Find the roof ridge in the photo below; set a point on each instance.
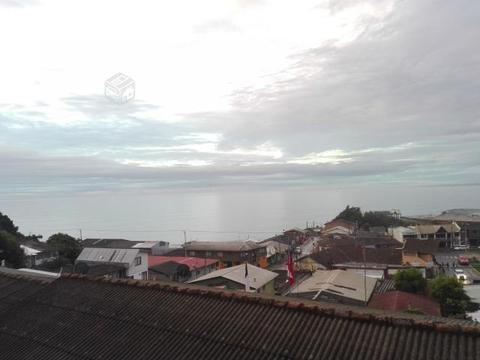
(27, 277)
(435, 324)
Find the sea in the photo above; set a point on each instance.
(216, 214)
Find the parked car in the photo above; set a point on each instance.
(459, 271)
(462, 247)
(462, 260)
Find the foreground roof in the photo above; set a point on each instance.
(257, 276)
(79, 318)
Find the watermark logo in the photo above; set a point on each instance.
(120, 88)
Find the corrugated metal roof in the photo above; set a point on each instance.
(258, 277)
(344, 283)
(76, 318)
(120, 256)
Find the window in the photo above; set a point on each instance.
(138, 261)
(192, 253)
(208, 253)
(220, 254)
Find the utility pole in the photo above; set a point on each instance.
(81, 236)
(185, 241)
(364, 275)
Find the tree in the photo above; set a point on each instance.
(10, 250)
(67, 246)
(379, 218)
(353, 214)
(410, 280)
(449, 292)
(7, 225)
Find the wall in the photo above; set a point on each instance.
(136, 270)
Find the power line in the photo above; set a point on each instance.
(166, 230)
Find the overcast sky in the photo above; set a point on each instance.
(234, 93)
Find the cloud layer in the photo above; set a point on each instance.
(374, 94)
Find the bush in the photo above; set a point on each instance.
(449, 292)
(410, 280)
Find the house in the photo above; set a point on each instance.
(328, 257)
(295, 236)
(467, 219)
(402, 233)
(258, 279)
(179, 268)
(339, 226)
(116, 263)
(150, 247)
(416, 252)
(37, 253)
(447, 235)
(229, 253)
(75, 317)
(276, 251)
(363, 238)
(337, 286)
(404, 301)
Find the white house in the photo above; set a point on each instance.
(129, 263)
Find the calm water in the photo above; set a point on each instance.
(219, 213)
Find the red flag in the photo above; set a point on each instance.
(290, 269)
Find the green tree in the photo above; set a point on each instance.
(379, 218)
(10, 250)
(6, 224)
(351, 213)
(449, 292)
(410, 280)
(67, 246)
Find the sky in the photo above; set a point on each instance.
(238, 94)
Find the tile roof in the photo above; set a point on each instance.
(429, 246)
(223, 245)
(346, 254)
(366, 238)
(191, 262)
(79, 318)
(258, 277)
(402, 301)
(433, 228)
(339, 222)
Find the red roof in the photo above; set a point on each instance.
(402, 301)
(191, 262)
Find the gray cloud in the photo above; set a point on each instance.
(412, 77)
(17, 3)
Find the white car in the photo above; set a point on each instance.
(459, 271)
(463, 279)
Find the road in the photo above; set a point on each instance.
(451, 258)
